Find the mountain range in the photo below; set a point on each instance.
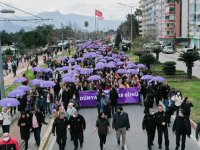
(73, 20)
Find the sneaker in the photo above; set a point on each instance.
(118, 142)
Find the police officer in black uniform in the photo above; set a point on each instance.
(60, 124)
(149, 124)
(181, 127)
(162, 121)
(77, 126)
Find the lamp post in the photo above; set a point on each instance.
(5, 11)
(131, 20)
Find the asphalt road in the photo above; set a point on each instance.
(180, 65)
(136, 139)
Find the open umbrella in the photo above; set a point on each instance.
(86, 71)
(36, 82)
(47, 84)
(99, 67)
(103, 60)
(80, 59)
(94, 78)
(58, 69)
(37, 69)
(147, 77)
(24, 88)
(19, 80)
(71, 60)
(132, 71)
(158, 79)
(68, 80)
(131, 66)
(65, 68)
(9, 102)
(121, 71)
(67, 75)
(76, 66)
(120, 63)
(16, 93)
(141, 66)
(46, 70)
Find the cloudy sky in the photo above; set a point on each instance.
(110, 8)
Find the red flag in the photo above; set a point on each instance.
(100, 18)
(98, 13)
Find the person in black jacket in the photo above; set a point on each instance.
(149, 124)
(186, 106)
(77, 126)
(198, 131)
(37, 119)
(121, 124)
(25, 125)
(181, 127)
(113, 98)
(162, 121)
(66, 96)
(103, 126)
(60, 124)
(147, 104)
(56, 90)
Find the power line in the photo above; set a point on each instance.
(22, 10)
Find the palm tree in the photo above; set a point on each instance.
(189, 58)
(157, 50)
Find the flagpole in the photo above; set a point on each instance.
(95, 21)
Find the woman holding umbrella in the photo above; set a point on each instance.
(25, 125)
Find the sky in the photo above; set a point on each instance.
(110, 8)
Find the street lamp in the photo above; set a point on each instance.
(131, 20)
(5, 11)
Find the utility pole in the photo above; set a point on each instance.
(62, 39)
(1, 74)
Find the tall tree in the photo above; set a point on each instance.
(189, 58)
(118, 38)
(157, 50)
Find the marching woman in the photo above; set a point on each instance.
(103, 127)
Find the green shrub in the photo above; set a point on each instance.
(169, 68)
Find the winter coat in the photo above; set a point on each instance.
(113, 97)
(11, 144)
(24, 130)
(102, 125)
(115, 123)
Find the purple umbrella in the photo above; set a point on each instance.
(99, 68)
(86, 71)
(120, 63)
(19, 80)
(9, 102)
(36, 82)
(94, 78)
(47, 84)
(131, 66)
(80, 59)
(71, 60)
(121, 71)
(65, 68)
(132, 71)
(46, 70)
(141, 66)
(37, 69)
(68, 80)
(147, 77)
(158, 79)
(76, 66)
(67, 75)
(116, 60)
(103, 60)
(16, 93)
(61, 58)
(24, 88)
(58, 69)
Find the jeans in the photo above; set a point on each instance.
(49, 108)
(121, 132)
(102, 138)
(37, 132)
(6, 128)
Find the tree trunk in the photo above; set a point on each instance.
(189, 72)
(157, 57)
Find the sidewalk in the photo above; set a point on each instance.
(8, 79)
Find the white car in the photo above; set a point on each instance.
(168, 50)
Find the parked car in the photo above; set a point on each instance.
(168, 50)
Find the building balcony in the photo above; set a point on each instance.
(169, 29)
(168, 37)
(170, 13)
(170, 5)
(169, 21)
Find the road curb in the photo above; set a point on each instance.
(46, 137)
